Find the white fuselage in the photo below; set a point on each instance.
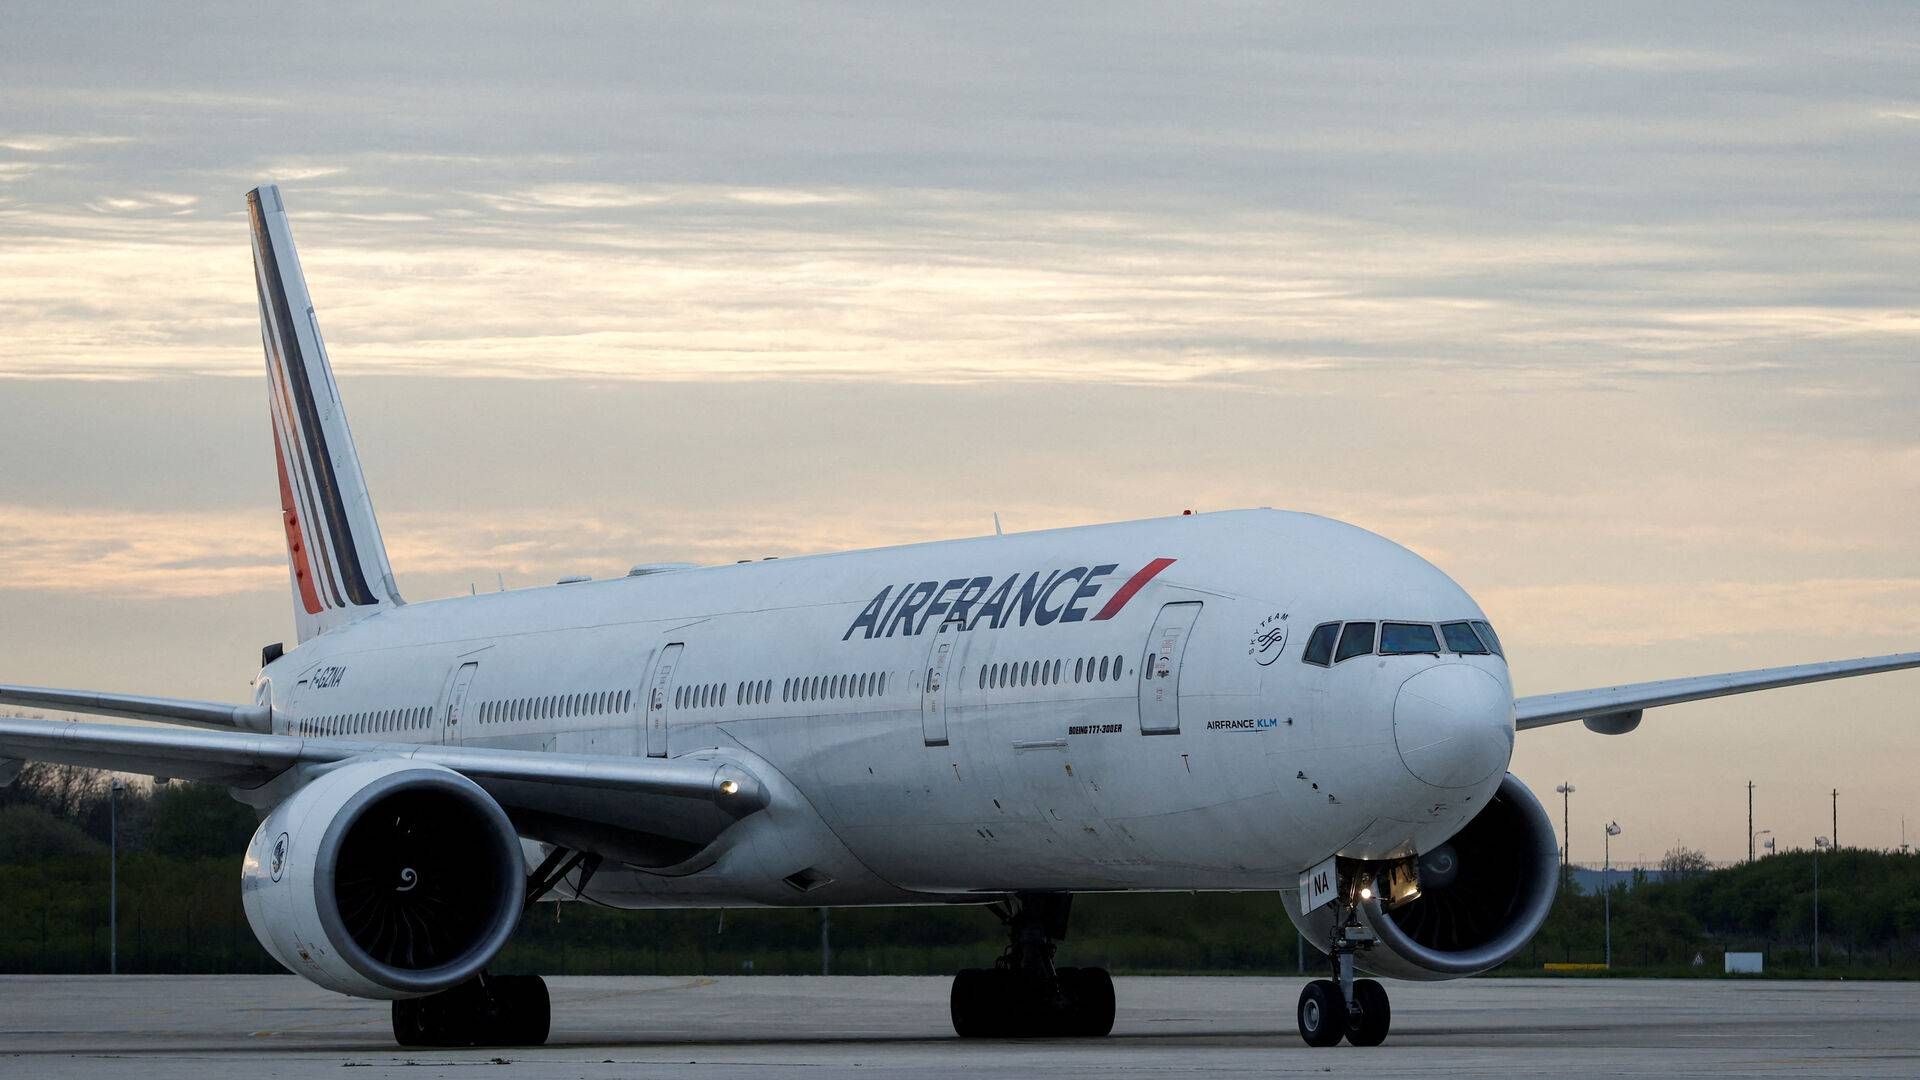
(939, 733)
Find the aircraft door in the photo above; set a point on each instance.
(660, 698)
(933, 689)
(1160, 671)
(457, 698)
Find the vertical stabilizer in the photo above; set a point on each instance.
(338, 561)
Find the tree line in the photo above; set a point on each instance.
(180, 910)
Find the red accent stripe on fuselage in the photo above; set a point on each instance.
(1134, 584)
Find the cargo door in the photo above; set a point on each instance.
(1160, 671)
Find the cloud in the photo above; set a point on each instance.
(54, 144)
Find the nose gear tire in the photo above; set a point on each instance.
(1322, 1013)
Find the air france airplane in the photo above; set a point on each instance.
(1251, 700)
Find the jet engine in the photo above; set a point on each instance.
(1469, 904)
(385, 878)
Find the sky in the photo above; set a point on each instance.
(1609, 312)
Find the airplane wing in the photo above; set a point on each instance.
(135, 707)
(652, 810)
(1615, 710)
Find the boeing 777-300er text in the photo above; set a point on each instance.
(1251, 700)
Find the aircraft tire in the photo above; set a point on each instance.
(1322, 1013)
(1089, 994)
(1376, 1014)
(976, 1008)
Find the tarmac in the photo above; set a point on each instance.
(255, 1027)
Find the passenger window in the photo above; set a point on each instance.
(1355, 640)
(1405, 639)
(1320, 646)
(1461, 639)
(1103, 669)
(1492, 639)
(1119, 667)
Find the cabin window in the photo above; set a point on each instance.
(1319, 648)
(1355, 640)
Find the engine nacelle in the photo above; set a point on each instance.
(1483, 895)
(386, 879)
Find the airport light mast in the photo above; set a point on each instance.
(1820, 843)
(1566, 831)
(1606, 883)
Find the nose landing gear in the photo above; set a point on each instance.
(1343, 1006)
(1023, 995)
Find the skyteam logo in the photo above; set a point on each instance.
(1024, 598)
(1269, 639)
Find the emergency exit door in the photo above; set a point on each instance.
(1160, 670)
(660, 698)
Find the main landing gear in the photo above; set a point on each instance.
(493, 1010)
(1023, 995)
(1343, 1006)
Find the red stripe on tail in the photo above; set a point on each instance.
(296, 543)
(1134, 584)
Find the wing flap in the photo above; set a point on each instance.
(1606, 703)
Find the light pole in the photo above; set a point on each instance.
(826, 944)
(113, 875)
(1606, 882)
(1749, 821)
(1819, 845)
(1566, 817)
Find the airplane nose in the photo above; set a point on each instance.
(1453, 725)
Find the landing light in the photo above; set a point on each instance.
(729, 787)
(1366, 892)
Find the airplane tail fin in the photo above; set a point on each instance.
(334, 551)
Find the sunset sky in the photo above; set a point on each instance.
(1609, 312)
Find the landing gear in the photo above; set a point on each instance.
(492, 1010)
(1023, 995)
(1343, 1006)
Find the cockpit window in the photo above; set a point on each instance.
(1320, 645)
(1492, 639)
(1356, 640)
(1404, 638)
(1461, 639)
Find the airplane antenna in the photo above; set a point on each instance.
(471, 589)
(502, 579)
(997, 531)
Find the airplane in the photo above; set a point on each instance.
(1243, 700)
